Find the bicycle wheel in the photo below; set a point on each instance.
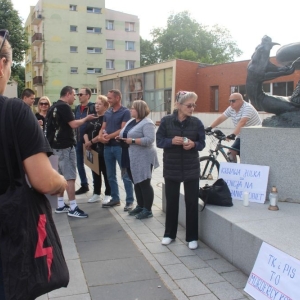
(209, 168)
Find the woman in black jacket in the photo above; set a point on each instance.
(181, 136)
(91, 142)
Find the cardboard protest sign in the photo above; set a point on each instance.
(275, 275)
(91, 159)
(244, 177)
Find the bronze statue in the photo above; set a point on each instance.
(260, 69)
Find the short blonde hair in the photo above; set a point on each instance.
(43, 98)
(103, 99)
(182, 96)
(141, 108)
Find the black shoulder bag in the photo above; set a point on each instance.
(216, 194)
(31, 252)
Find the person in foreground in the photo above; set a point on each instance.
(63, 145)
(243, 114)
(33, 146)
(91, 142)
(181, 136)
(139, 134)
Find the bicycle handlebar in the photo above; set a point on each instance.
(218, 134)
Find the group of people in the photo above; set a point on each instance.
(120, 136)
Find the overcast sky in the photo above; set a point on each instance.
(247, 23)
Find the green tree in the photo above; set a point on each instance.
(149, 53)
(184, 38)
(19, 76)
(10, 20)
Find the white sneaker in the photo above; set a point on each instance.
(95, 198)
(106, 199)
(193, 245)
(166, 241)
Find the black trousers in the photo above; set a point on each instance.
(143, 191)
(2, 295)
(98, 178)
(191, 191)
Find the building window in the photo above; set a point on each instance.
(129, 46)
(73, 49)
(94, 50)
(239, 89)
(93, 70)
(109, 44)
(273, 88)
(93, 29)
(74, 70)
(129, 64)
(110, 64)
(109, 25)
(73, 28)
(93, 10)
(94, 90)
(73, 7)
(283, 88)
(129, 26)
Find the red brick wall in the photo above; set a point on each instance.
(186, 76)
(190, 76)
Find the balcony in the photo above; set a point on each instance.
(36, 18)
(37, 80)
(37, 39)
(36, 61)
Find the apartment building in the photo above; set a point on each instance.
(73, 42)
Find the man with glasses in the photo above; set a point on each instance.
(243, 114)
(81, 111)
(28, 96)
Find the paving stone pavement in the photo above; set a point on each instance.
(113, 256)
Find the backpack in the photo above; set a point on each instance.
(51, 124)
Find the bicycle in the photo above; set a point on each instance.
(210, 164)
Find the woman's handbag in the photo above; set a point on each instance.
(31, 252)
(216, 194)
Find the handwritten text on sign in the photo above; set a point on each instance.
(275, 275)
(244, 177)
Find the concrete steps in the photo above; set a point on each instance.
(236, 233)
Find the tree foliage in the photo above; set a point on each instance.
(10, 20)
(149, 54)
(19, 76)
(184, 38)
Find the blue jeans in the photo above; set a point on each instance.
(112, 155)
(80, 164)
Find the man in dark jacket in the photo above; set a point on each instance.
(81, 111)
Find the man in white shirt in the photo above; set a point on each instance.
(243, 114)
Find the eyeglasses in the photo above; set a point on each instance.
(44, 103)
(5, 34)
(191, 105)
(233, 100)
(180, 94)
(80, 95)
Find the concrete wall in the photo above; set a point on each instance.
(278, 149)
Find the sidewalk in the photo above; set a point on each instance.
(114, 256)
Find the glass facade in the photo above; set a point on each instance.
(153, 87)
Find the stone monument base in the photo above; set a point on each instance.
(279, 149)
